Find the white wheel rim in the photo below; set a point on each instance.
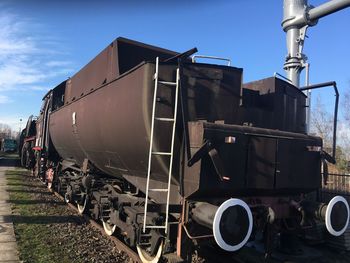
(109, 228)
(216, 224)
(66, 199)
(330, 205)
(81, 208)
(149, 259)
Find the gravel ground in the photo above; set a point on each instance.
(68, 234)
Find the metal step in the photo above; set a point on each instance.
(162, 153)
(165, 119)
(158, 190)
(155, 227)
(145, 244)
(151, 152)
(167, 83)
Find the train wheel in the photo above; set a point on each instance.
(109, 228)
(82, 207)
(146, 257)
(67, 198)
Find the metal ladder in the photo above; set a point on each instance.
(152, 153)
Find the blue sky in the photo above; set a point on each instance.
(45, 42)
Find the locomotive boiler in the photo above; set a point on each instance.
(171, 154)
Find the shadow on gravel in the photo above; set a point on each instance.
(34, 202)
(19, 219)
(15, 179)
(28, 191)
(4, 161)
(25, 185)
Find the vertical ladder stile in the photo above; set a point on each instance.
(151, 152)
(151, 141)
(172, 149)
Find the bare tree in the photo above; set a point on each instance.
(346, 106)
(5, 131)
(345, 125)
(322, 122)
(322, 125)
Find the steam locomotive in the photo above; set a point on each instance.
(171, 154)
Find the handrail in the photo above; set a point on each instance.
(276, 74)
(335, 120)
(211, 57)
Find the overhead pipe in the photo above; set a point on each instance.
(336, 104)
(297, 17)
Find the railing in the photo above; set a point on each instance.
(194, 58)
(337, 184)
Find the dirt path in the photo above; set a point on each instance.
(8, 246)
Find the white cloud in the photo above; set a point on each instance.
(27, 60)
(4, 99)
(58, 63)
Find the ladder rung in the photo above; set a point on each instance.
(158, 190)
(172, 120)
(168, 83)
(160, 227)
(145, 244)
(164, 119)
(161, 153)
(143, 235)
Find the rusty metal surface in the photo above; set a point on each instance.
(275, 104)
(261, 162)
(102, 69)
(110, 125)
(116, 59)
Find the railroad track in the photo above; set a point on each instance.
(118, 243)
(208, 255)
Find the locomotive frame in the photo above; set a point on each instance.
(243, 163)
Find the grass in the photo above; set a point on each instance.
(35, 240)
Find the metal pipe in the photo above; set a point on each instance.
(211, 57)
(293, 9)
(308, 98)
(336, 103)
(309, 14)
(204, 214)
(297, 17)
(328, 8)
(276, 74)
(335, 120)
